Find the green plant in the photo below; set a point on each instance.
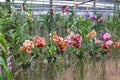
(3, 63)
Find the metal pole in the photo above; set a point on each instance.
(84, 2)
(94, 7)
(7, 0)
(74, 4)
(51, 7)
(51, 15)
(115, 7)
(119, 7)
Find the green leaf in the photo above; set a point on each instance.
(1, 77)
(3, 42)
(5, 68)
(20, 29)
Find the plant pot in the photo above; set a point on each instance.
(79, 56)
(51, 59)
(59, 52)
(26, 65)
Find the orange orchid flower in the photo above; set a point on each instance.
(116, 44)
(59, 41)
(39, 41)
(27, 46)
(92, 34)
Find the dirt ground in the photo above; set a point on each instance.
(112, 72)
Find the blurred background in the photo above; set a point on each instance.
(80, 6)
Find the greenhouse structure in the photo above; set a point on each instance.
(59, 39)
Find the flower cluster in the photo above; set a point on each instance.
(8, 59)
(91, 35)
(71, 40)
(39, 41)
(65, 9)
(106, 36)
(106, 40)
(116, 44)
(27, 46)
(59, 41)
(9, 62)
(107, 44)
(94, 17)
(74, 40)
(86, 15)
(97, 41)
(101, 19)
